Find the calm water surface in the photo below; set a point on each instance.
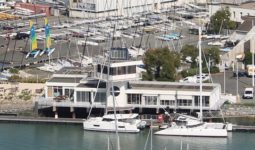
(73, 137)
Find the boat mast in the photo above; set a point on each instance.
(200, 74)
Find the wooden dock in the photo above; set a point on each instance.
(15, 119)
(41, 120)
(243, 128)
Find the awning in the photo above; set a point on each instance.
(184, 97)
(167, 97)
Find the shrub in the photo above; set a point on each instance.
(189, 72)
(14, 71)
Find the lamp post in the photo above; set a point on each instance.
(224, 82)
(237, 94)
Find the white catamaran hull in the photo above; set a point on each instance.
(48, 51)
(193, 132)
(109, 126)
(33, 54)
(206, 130)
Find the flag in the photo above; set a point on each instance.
(33, 36)
(47, 34)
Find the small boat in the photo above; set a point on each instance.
(34, 50)
(47, 50)
(190, 126)
(34, 53)
(126, 123)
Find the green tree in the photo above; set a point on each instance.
(247, 58)
(213, 53)
(161, 64)
(221, 20)
(14, 70)
(191, 51)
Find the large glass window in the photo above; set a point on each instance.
(118, 54)
(184, 102)
(83, 96)
(57, 91)
(205, 101)
(167, 102)
(113, 71)
(98, 68)
(150, 100)
(131, 69)
(100, 97)
(134, 98)
(50, 91)
(69, 93)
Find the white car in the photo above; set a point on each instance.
(189, 80)
(205, 77)
(248, 93)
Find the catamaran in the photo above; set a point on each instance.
(47, 42)
(34, 50)
(195, 127)
(125, 123)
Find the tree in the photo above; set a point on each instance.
(213, 53)
(191, 51)
(247, 58)
(221, 20)
(161, 64)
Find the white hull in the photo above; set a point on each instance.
(49, 52)
(34, 55)
(96, 124)
(128, 123)
(205, 130)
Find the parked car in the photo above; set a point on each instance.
(205, 77)
(248, 93)
(21, 36)
(8, 28)
(240, 74)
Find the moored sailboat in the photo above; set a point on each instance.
(34, 51)
(48, 50)
(195, 127)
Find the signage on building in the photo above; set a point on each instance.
(85, 6)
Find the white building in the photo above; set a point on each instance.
(96, 89)
(103, 8)
(238, 9)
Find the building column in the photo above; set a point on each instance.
(74, 96)
(158, 103)
(73, 112)
(120, 8)
(55, 111)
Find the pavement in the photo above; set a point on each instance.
(233, 85)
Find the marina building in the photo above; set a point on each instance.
(118, 82)
(127, 8)
(238, 9)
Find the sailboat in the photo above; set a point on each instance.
(128, 123)
(34, 51)
(186, 125)
(47, 42)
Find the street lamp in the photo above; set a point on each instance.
(224, 84)
(237, 78)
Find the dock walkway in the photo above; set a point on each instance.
(40, 120)
(15, 119)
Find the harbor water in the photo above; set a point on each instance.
(17, 136)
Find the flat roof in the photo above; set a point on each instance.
(170, 85)
(248, 5)
(75, 70)
(92, 85)
(65, 80)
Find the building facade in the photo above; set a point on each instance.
(237, 10)
(119, 83)
(126, 8)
